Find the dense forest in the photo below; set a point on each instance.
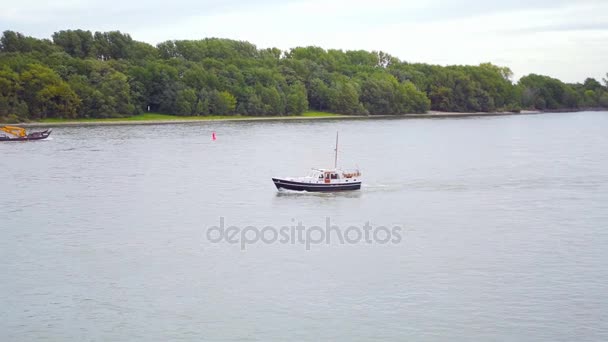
(80, 74)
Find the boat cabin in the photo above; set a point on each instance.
(333, 176)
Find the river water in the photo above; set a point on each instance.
(498, 227)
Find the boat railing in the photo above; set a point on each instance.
(351, 174)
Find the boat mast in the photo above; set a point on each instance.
(336, 159)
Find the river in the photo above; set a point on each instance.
(498, 230)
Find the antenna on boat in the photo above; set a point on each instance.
(336, 159)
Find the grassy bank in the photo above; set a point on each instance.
(157, 118)
(167, 117)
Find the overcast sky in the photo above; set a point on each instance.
(563, 39)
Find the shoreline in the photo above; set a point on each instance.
(428, 115)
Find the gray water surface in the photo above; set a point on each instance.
(504, 232)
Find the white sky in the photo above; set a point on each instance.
(563, 39)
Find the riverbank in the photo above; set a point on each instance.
(161, 119)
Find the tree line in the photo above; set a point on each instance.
(80, 74)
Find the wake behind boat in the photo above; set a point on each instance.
(322, 179)
(12, 133)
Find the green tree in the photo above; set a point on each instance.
(116, 88)
(589, 99)
(111, 74)
(77, 43)
(58, 100)
(378, 94)
(318, 94)
(186, 102)
(603, 102)
(592, 84)
(344, 98)
(441, 98)
(543, 92)
(9, 91)
(297, 101)
(16, 42)
(412, 100)
(222, 103)
(46, 94)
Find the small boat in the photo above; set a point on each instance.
(322, 179)
(13, 133)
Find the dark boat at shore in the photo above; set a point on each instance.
(19, 134)
(319, 180)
